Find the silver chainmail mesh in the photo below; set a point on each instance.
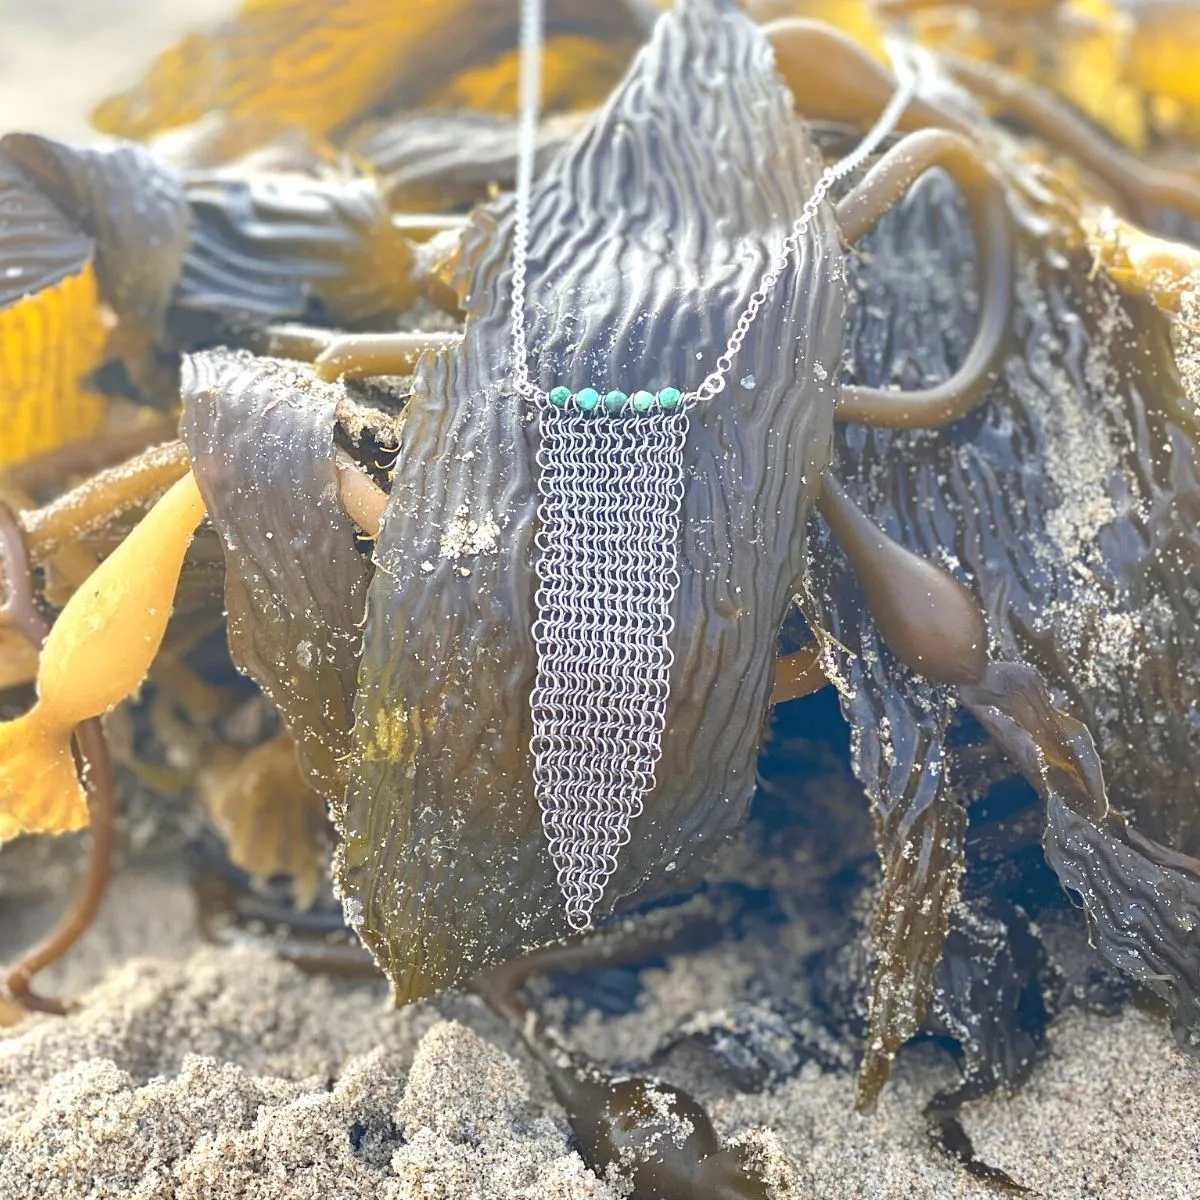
(611, 489)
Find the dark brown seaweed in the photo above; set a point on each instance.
(439, 161)
(278, 248)
(39, 245)
(260, 434)
(1070, 503)
(648, 235)
(898, 724)
(130, 202)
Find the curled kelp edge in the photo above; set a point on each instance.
(260, 435)
(126, 199)
(444, 865)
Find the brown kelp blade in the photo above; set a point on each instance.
(1070, 500)
(1145, 918)
(444, 866)
(899, 724)
(442, 161)
(260, 433)
(282, 247)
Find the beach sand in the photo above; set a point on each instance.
(222, 1074)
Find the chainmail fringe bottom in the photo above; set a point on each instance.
(611, 490)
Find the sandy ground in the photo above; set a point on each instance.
(221, 1074)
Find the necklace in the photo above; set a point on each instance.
(606, 562)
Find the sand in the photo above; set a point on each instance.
(209, 1073)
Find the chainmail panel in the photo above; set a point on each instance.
(610, 492)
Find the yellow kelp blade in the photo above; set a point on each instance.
(315, 64)
(48, 343)
(98, 652)
(577, 73)
(1141, 263)
(273, 823)
(52, 331)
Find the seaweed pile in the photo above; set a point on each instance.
(956, 478)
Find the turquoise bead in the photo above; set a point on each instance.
(587, 400)
(643, 402)
(614, 402)
(668, 399)
(559, 397)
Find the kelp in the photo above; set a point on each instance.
(81, 229)
(898, 725)
(260, 434)
(449, 160)
(1068, 503)
(284, 247)
(316, 64)
(443, 865)
(1123, 66)
(96, 654)
(51, 329)
(130, 203)
(272, 822)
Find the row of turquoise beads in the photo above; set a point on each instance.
(589, 400)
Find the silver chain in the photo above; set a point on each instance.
(528, 106)
(610, 496)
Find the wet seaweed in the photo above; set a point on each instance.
(440, 815)
(260, 435)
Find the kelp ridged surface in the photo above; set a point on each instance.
(431, 160)
(126, 198)
(1069, 502)
(39, 246)
(260, 435)
(286, 247)
(649, 234)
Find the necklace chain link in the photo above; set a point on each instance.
(529, 103)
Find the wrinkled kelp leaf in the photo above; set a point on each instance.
(987, 996)
(1070, 501)
(51, 328)
(315, 64)
(1144, 917)
(632, 266)
(898, 725)
(260, 434)
(442, 161)
(129, 202)
(282, 247)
